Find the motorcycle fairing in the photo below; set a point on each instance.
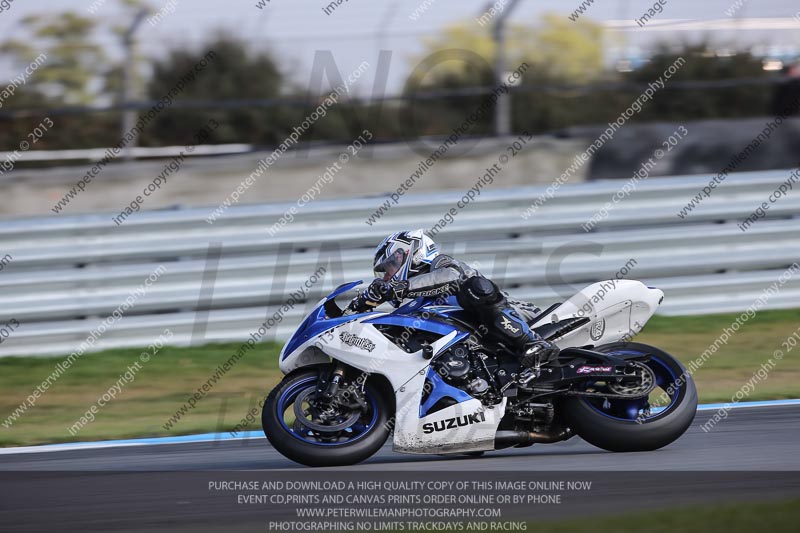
(621, 313)
(439, 391)
(317, 321)
(467, 425)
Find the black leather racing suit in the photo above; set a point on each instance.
(506, 319)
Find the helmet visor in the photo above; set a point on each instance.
(390, 265)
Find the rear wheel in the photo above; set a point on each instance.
(649, 423)
(312, 433)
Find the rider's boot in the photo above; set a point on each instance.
(482, 297)
(533, 351)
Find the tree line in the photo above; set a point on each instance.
(568, 83)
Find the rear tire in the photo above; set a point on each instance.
(299, 449)
(619, 435)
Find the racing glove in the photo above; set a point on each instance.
(379, 291)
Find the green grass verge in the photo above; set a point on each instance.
(165, 382)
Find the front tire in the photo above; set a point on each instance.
(619, 425)
(359, 440)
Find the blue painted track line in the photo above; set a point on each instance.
(213, 437)
(767, 403)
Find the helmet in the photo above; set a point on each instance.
(403, 255)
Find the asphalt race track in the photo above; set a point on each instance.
(762, 438)
(753, 454)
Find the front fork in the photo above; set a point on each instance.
(331, 396)
(327, 391)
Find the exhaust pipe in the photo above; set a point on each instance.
(506, 439)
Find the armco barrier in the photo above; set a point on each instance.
(68, 273)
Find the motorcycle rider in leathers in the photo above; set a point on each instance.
(408, 265)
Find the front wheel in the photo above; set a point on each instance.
(642, 424)
(307, 430)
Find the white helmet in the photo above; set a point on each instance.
(404, 254)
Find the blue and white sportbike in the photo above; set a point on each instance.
(427, 374)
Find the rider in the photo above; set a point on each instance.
(408, 265)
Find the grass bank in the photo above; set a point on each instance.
(163, 385)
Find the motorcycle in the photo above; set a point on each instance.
(434, 379)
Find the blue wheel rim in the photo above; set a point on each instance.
(356, 431)
(631, 410)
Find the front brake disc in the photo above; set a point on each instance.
(301, 416)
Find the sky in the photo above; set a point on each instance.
(293, 30)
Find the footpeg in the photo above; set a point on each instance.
(526, 376)
(519, 380)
